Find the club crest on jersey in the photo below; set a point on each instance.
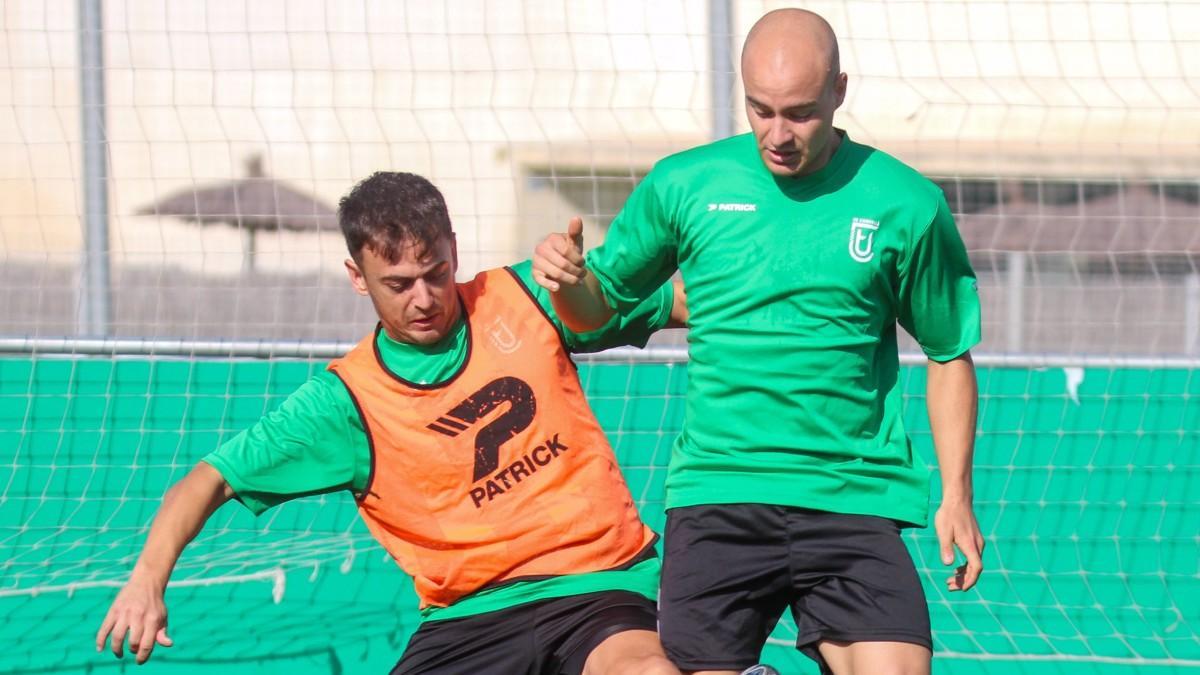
(502, 337)
(862, 239)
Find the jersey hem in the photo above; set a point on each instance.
(642, 579)
(443, 614)
(704, 497)
(942, 356)
(614, 300)
(231, 477)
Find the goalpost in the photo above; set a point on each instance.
(1065, 135)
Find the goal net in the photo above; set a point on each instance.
(1066, 136)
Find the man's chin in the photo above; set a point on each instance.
(777, 168)
(782, 171)
(414, 335)
(426, 337)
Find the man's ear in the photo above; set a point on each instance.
(357, 280)
(839, 89)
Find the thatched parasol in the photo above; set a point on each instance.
(256, 202)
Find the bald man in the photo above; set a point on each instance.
(801, 250)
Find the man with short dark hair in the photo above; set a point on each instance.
(801, 251)
(461, 428)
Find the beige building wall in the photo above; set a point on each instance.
(475, 93)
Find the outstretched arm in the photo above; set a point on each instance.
(558, 266)
(952, 400)
(139, 610)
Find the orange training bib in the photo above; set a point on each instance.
(500, 474)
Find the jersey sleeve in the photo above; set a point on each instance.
(632, 328)
(640, 251)
(939, 297)
(312, 443)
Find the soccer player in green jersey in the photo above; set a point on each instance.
(801, 250)
(461, 430)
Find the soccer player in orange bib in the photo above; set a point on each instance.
(462, 431)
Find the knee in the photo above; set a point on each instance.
(653, 665)
(876, 658)
(631, 652)
(642, 665)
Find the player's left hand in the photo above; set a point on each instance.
(139, 613)
(956, 527)
(558, 259)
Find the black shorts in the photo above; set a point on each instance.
(547, 637)
(729, 571)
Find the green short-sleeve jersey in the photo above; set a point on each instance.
(314, 443)
(795, 287)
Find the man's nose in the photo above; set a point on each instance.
(423, 297)
(779, 134)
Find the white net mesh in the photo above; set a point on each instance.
(1065, 135)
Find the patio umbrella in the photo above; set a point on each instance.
(256, 202)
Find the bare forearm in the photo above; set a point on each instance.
(679, 309)
(185, 509)
(952, 398)
(581, 306)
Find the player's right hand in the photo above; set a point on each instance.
(140, 613)
(558, 260)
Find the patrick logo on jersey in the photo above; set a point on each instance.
(490, 483)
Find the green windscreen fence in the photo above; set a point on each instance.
(1087, 489)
